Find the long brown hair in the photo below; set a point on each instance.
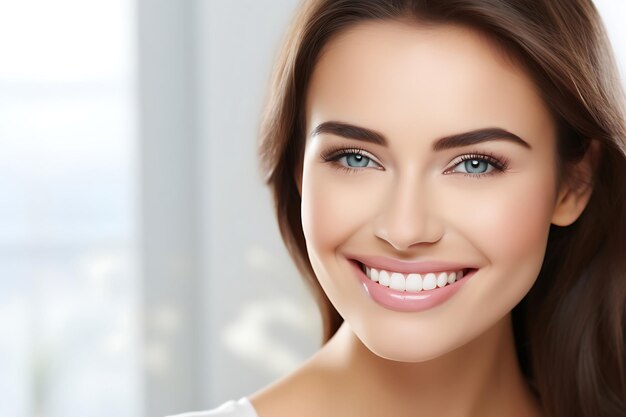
(570, 328)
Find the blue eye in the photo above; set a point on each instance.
(350, 160)
(479, 165)
(355, 160)
(475, 166)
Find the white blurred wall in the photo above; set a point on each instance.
(237, 315)
(261, 321)
(69, 310)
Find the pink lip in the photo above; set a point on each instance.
(407, 267)
(408, 301)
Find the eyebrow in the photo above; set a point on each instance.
(447, 142)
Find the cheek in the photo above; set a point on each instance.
(332, 208)
(511, 231)
(513, 223)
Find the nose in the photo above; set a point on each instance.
(409, 216)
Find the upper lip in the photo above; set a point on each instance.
(407, 267)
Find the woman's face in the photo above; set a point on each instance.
(486, 205)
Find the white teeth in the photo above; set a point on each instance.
(397, 282)
(413, 282)
(374, 276)
(442, 279)
(430, 281)
(383, 278)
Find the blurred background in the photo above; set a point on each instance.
(141, 268)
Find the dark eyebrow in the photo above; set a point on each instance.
(447, 142)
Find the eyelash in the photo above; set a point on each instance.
(499, 163)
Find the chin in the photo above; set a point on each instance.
(414, 354)
(400, 347)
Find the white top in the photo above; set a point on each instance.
(240, 408)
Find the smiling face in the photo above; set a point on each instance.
(418, 197)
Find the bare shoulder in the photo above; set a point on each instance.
(299, 393)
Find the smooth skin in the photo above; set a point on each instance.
(406, 201)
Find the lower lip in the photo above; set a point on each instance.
(409, 301)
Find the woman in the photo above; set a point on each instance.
(449, 178)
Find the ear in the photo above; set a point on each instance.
(576, 189)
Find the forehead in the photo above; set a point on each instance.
(399, 77)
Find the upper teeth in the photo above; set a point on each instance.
(412, 282)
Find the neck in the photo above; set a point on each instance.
(481, 378)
